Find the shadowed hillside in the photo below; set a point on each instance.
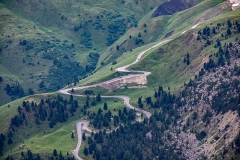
(173, 6)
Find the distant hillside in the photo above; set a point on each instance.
(173, 6)
(94, 24)
(46, 45)
(35, 59)
(44, 38)
(151, 29)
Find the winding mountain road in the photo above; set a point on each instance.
(83, 124)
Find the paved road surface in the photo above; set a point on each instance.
(83, 124)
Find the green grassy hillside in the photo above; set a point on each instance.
(95, 24)
(167, 61)
(151, 29)
(202, 12)
(39, 137)
(68, 39)
(34, 59)
(46, 45)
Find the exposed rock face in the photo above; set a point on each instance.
(225, 126)
(113, 84)
(173, 6)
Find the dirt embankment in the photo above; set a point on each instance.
(173, 6)
(141, 79)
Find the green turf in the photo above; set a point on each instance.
(44, 22)
(159, 26)
(168, 68)
(42, 139)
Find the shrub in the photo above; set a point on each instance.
(200, 136)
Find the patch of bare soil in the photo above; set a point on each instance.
(140, 80)
(138, 86)
(189, 40)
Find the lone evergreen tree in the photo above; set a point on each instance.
(87, 103)
(10, 141)
(86, 151)
(98, 98)
(55, 152)
(105, 106)
(139, 100)
(188, 61)
(229, 32)
(61, 156)
(84, 137)
(139, 34)
(71, 98)
(72, 135)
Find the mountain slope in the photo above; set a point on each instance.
(33, 59)
(193, 94)
(46, 40)
(151, 29)
(203, 113)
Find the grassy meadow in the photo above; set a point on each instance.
(40, 138)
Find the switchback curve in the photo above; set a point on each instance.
(83, 124)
